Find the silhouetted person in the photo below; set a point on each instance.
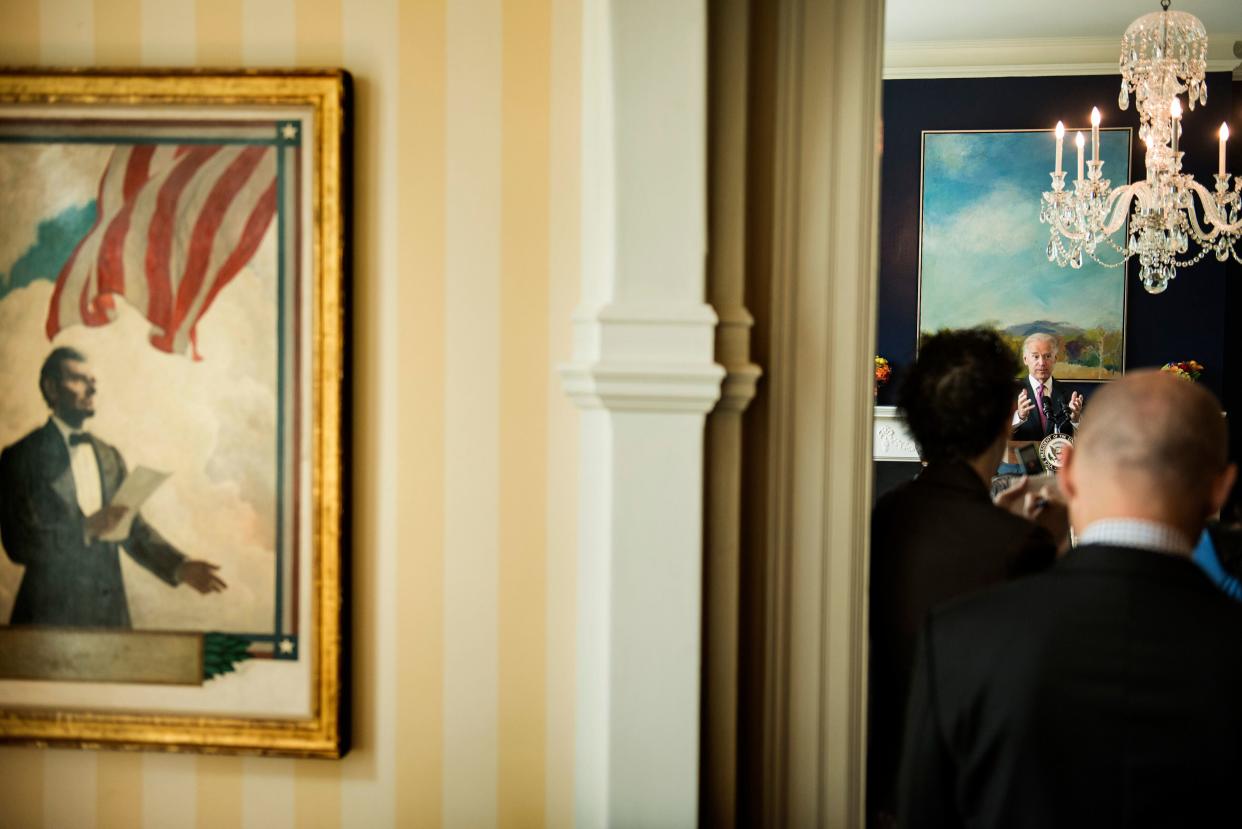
(940, 536)
(1106, 691)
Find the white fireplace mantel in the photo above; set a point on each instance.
(892, 440)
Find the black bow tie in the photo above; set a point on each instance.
(79, 437)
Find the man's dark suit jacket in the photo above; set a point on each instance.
(1058, 405)
(1106, 692)
(932, 539)
(67, 580)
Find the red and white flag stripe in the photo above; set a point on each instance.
(174, 225)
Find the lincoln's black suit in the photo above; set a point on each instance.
(68, 581)
(932, 539)
(1058, 406)
(1106, 692)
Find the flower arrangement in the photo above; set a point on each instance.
(1186, 370)
(883, 372)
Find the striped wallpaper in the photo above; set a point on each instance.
(466, 259)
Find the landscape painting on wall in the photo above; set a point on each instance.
(982, 248)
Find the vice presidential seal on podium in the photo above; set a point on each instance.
(1051, 449)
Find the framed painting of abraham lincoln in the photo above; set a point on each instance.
(171, 448)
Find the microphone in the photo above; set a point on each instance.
(1047, 405)
(1063, 416)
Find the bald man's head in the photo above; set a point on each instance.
(1151, 442)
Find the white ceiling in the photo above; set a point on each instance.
(967, 20)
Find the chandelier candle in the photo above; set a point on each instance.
(1061, 139)
(1095, 133)
(1224, 136)
(1163, 56)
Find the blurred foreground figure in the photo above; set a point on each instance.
(1105, 692)
(940, 536)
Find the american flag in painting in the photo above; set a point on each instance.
(174, 225)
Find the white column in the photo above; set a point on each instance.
(644, 376)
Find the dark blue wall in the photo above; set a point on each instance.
(1188, 321)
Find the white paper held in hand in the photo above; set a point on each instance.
(139, 485)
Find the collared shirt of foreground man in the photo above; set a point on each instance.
(940, 536)
(1105, 692)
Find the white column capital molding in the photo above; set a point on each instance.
(639, 387)
(644, 357)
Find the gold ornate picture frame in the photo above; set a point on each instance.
(172, 374)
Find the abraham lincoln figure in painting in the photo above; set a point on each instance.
(56, 487)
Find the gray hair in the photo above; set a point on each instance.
(1041, 335)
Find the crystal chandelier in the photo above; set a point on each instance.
(1163, 54)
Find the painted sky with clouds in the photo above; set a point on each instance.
(983, 247)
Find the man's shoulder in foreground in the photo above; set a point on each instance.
(1103, 692)
(1124, 617)
(1087, 576)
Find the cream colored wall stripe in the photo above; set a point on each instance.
(118, 32)
(169, 790)
(317, 24)
(524, 379)
(118, 784)
(19, 32)
(169, 36)
(219, 781)
(316, 794)
(368, 776)
(21, 779)
(421, 179)
(268, 32)
(562, 426)
(70, 791)
(267, 790)
(67, 32)
(219, 32)
(472, 412)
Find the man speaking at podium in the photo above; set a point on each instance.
(1044, 407)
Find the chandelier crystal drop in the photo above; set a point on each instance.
(1163, 56)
